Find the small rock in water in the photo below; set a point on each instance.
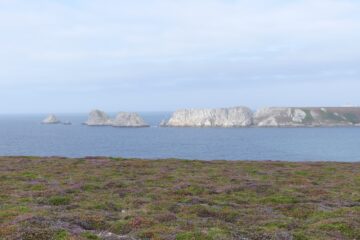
(51, 119)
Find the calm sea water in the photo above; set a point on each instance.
(24, 135)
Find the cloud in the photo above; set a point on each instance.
(205, 46)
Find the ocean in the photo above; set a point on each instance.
(24, 135)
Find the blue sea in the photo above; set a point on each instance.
(24, 135)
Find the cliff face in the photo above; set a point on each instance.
(124, 119)
(266, 117)
(222, 117)
(307, 117)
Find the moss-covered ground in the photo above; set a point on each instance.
(108, 198)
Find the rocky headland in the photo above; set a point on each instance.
(266, 117)
(123, 119)
(222, 117)
(307, 117)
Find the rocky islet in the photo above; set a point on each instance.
(122, 119)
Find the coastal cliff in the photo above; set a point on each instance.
(307, 117)
(266, 117)
(222, 117)
(123, 119)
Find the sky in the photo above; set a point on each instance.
(67, 56)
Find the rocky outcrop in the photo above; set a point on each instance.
(124, 119)
(51, 119)
(266, 117)
(307, 117)
(98, 118)
(222, 117)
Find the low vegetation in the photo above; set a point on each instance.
(111, 198)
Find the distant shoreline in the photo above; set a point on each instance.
(180, 159)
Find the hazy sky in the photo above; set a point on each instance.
(143, 55)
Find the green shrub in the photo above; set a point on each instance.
(343, 228)
(280, 199)
(59, 200)
(192, 236)
(62, 235)
(30, 175)
(218, 234)
(300, 236)
(121, 227)
(90, 236)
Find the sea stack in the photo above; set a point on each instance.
(307, 117)
(98, 118)
(125, 119)
(222, 117)
(51, 119)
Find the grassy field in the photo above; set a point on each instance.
(108, 198)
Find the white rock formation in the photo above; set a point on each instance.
(222, 117)
(236, 117)
(124, 119)
(51, 119)
(98, 118)
(277, 117)
(298, 115)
